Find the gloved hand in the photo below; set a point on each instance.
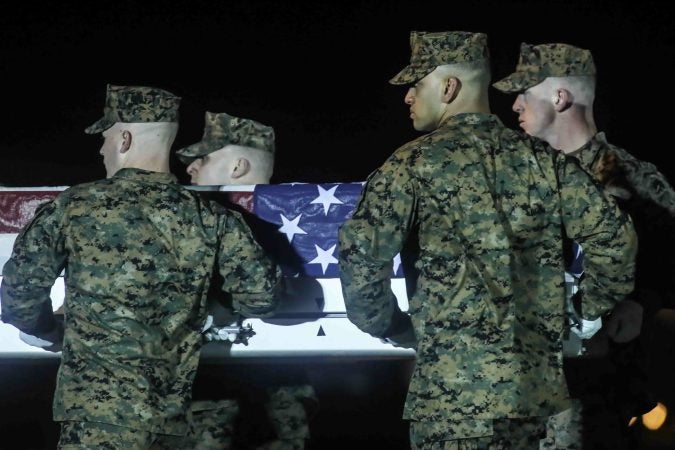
(624, 322)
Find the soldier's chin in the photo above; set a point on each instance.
(416, 125)
(421, 127)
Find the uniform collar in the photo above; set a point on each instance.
(145, 176)
(588, 153)
(470, 119)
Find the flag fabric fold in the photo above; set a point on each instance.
(307, 218)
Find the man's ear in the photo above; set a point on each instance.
(241, 168)
(562, 99)
(451, 89)
(126, 141)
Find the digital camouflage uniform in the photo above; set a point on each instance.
(645, 193)
(285, 403)
(622, 389)
(138, 252)
(538, 62)
(488, 208)
(640, 190)
(615, 167)
(535, 64)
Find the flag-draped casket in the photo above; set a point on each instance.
(298, 224)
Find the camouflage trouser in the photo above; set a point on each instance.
(100, 436)
(561, 431)
(286, 409)
(212, 423)
(564, 430)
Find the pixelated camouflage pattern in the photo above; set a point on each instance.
(538, 62)
(97, 435)
(615, 167)
(429, 50)
(287, 411)
(564, 430)
(210, 425)
(557, 432)
(624, 177)
(488, 207)
(645, 193)
(451, 434)
(221, 129)
(138, 251)
(131, 104)
(102, 436)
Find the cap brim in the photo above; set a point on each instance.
(410, 75)
(517, 82)
(195, 151)
(100, 125)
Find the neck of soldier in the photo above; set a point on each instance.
(571, 130)
(466, 103)
(154, 158)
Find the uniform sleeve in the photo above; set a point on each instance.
(37, 260)
(249, 275)
(647, 181)
(606, 235)
(368, 242)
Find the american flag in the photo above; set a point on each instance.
(306, 218)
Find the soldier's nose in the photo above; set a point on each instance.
(194, 166)
(409, 97)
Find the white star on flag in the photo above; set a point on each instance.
(324, 257)
(290, 227)
(327, 198)
(397, 262)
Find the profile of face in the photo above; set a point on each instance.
(112, 149)
(222, 167)
(425, 101)
(536, 111)
(208, 170)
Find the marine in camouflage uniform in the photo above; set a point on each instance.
(639, 189)
(284, 402)
(488, 207)
(138, 252)
(233, 151)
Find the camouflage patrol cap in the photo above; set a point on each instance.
(221, 129)
(429, 50)
(131, 104)
(538, 62)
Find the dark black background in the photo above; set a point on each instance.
(316, 71)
